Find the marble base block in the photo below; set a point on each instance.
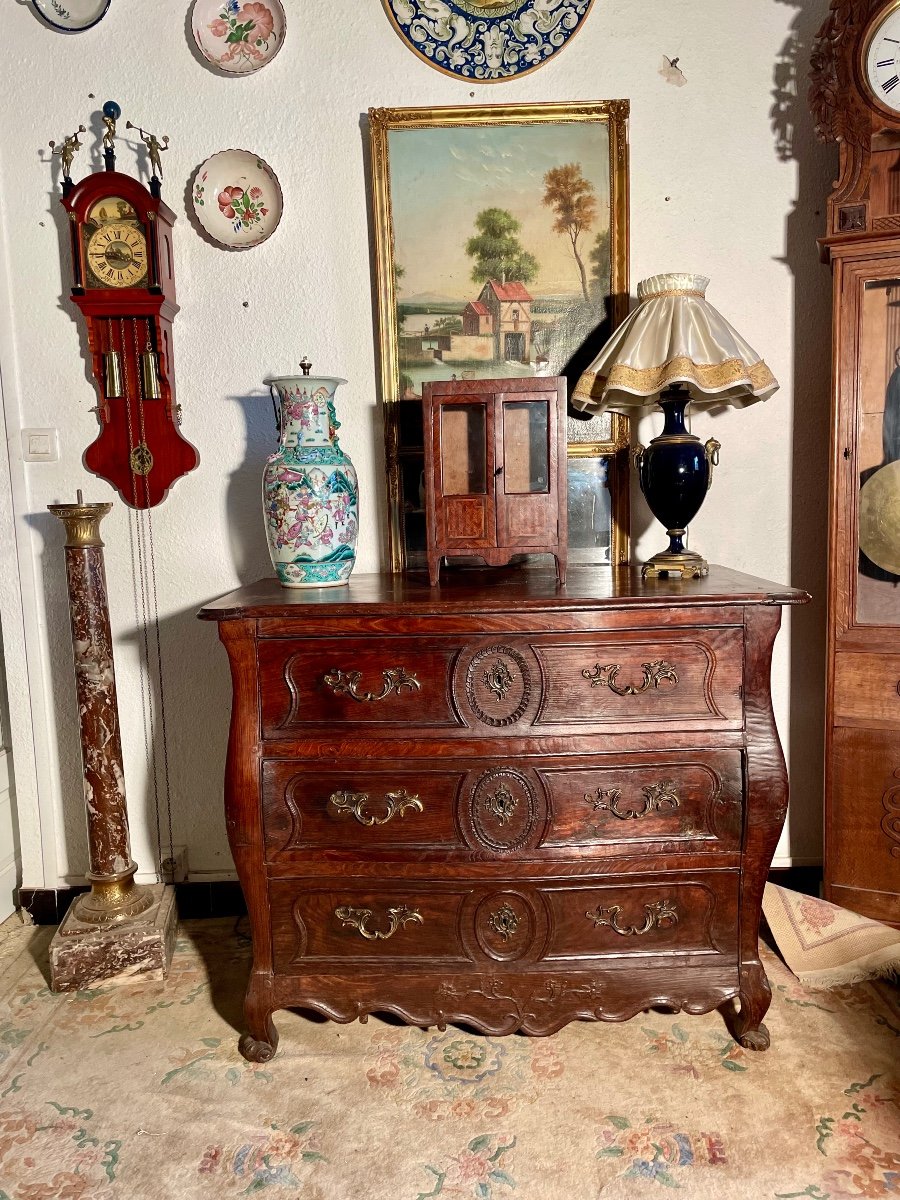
(131, 951)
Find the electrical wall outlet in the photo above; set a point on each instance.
(40, 445)
(175, 865)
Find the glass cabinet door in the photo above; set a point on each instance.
(877, 521)
(463, 449)
(464, 452)
(527, 510)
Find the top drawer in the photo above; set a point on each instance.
(550, 683)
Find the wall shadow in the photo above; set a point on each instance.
(243, 496)
(795, 141)
(61, 693)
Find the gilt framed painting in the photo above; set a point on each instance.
(501, 250)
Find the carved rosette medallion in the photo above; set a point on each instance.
(505, 926)
(502, 811)
(498, 686)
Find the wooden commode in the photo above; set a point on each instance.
(503, 802)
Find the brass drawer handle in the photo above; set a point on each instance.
(662, 914)
(656, 796)
(395, 680)
(358, 919)
(655, 673)
(355, 804)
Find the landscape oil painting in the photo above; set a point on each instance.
(501, 244)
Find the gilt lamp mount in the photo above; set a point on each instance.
(673, 350)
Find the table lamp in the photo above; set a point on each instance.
(673, 350)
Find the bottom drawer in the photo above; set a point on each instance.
(425, 922)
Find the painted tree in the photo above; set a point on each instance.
(399, 272)
(497, 251)
(600, 264)
(574, 203)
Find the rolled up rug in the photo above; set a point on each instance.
(827, 946)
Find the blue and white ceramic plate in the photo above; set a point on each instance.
(71, 16)
(486, 41)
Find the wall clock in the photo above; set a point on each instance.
(486, 41)
(855, 97)
(124, 285)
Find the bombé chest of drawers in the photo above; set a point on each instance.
(503, 802)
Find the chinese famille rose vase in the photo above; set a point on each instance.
(310, 491)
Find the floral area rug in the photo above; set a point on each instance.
(138, 1092)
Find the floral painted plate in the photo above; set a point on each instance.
(71, 16)
(238, 36)
(237, 199)
(486, 41)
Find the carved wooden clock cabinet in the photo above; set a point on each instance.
(855, 97)
(504, 802)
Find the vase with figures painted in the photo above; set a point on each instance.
(310, 493)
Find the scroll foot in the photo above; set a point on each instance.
(260, 1044)
(745, 1020)
(256, 1051)
(755, 1039)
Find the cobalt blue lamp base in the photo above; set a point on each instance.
(675, 473)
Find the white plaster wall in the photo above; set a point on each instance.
(714, 189)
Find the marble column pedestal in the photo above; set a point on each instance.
(118, 930)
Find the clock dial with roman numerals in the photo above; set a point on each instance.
(117, 255)
(882, 61)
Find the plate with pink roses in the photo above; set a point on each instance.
(238, 36)
(237, 198)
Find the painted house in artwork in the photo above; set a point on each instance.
(476, 319)
(509, 305)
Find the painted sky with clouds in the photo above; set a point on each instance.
(442, 178)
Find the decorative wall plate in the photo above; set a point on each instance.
(237, 198)
(71, 16)
(486, 41)
(238, 36)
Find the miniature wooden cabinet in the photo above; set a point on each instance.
(495, 470)
(503, 802)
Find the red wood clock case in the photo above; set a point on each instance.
(139, 449)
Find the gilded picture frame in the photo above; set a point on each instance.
(553, 155)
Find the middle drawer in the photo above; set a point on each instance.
(690, 799)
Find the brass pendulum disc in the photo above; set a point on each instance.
(879, 518)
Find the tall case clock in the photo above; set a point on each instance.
(855, 98)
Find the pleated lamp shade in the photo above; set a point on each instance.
(674, 336)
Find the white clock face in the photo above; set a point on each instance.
(883, 61)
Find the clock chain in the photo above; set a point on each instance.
(142, 540)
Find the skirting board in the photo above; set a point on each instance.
(48, 906)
